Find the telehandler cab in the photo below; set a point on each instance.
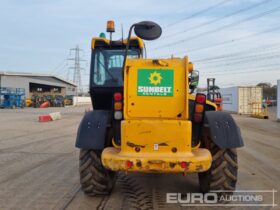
(144, 118)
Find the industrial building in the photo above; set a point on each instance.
(37, 84)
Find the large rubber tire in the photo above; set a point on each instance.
(222, 174)
(94, 178)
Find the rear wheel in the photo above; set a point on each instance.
(94, 178)
(222, 175)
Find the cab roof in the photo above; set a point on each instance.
(103, 42)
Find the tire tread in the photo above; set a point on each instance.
(94, 178)
(222, 174)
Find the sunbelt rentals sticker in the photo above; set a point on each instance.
(155, 82)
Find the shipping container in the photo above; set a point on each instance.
(278, 100)
(242, 99)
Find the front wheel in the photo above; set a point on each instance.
(94, 178)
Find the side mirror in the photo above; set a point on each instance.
(193, 80)
(147, 30)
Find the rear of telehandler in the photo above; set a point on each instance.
(145, 120)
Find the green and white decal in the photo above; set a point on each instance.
(155, 82)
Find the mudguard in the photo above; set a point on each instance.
(92, 130)
(224, 131)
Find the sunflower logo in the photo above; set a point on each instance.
(155, 78)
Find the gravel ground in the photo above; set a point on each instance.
(39, 165)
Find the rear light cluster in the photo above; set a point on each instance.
(118, 106)
(200, 101)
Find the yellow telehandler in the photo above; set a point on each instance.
(144, 118)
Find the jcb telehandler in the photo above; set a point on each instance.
(145, 120)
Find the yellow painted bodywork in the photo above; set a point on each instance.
(156, 132)
(155, 106)
(167, 134)
(199, 160)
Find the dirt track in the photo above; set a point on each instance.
(39, 166)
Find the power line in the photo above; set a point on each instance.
(264, 70)
(227, 42)
(243, 52)
(218, 29)
(234, 67)
(61, 70)
(243, 62)
(54, 70)
(244, 68)
(198, 13)
(63, 75)
(243, 58)
(183, 6)
(218, 19)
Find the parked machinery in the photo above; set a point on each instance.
(12, 97)
(53, 100)
(213, 93)
(68, 100)
(58, 101)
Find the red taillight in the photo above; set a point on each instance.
(118, 106)
(117, 96)
(200, 101)
(200, 98)
(128, 164)
(184, 164)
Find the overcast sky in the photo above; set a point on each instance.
(36, 36)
